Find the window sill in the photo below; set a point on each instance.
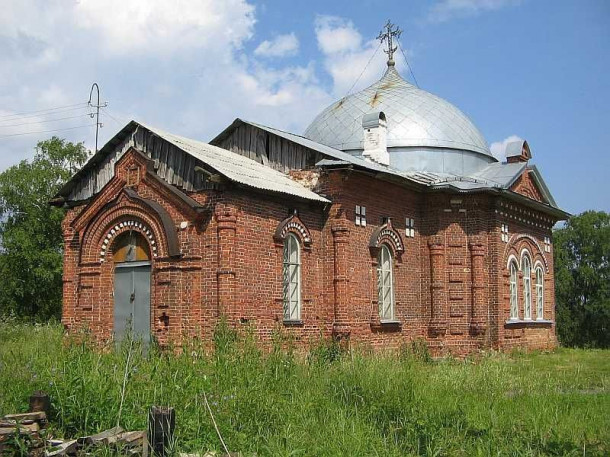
(520, 323)
(390, 322)
(386, 325)
(293, 323)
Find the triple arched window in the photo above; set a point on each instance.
(526, 286)
(385, 283)
(292, 278)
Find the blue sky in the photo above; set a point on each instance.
(536, 69)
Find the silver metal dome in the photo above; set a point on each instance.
(415, 118)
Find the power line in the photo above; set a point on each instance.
(46, 131)
(58, 111)
(119, 122)
(45, 121)
(407, 61)
(42, 110)
(364, 69)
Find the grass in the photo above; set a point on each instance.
(325, 404)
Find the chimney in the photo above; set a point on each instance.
(518, 151)
(375, 142)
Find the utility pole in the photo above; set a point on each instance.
(97, 107)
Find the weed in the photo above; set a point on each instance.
(273, 402)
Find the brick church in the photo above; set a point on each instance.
(388, 220)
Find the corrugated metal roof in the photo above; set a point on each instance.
(501, 174)
(415, 118)
(238, 168)
(486, 178)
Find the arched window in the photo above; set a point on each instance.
(539, 293)
(130, 246)
(292, 278)
(385, 285)
(526, 267)
(514, 304)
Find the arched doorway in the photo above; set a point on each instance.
(131, 255)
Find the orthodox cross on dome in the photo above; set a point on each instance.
(387, 35)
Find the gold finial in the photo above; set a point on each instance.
(388, 35)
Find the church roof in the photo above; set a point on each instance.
(495, 177)
(238, 168)
(234, 167)
(415, 118)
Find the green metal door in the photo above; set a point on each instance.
(132, 300)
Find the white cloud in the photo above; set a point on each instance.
(336, 35)
(352, 63)
(498, 149)
(161, 26)
(445, 10)
(280, 46)
(182, 68)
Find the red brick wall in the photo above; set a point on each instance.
(450, 282)
(525, 185)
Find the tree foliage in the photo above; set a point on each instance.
(582, 280)
(30, 230)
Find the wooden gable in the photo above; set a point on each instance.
(263, 146)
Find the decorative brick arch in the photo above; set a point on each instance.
(386, 234)
(127, 226)
(293, 224)
(518, 243)
(129, 212)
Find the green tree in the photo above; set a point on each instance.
(30, 230)
(582, 280)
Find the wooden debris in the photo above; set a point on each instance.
(40, 401)
(38, 416)
(99, 438)
(65, 448)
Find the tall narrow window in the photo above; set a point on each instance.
(385, 286)
(539, 293)
(527, 287)
(514, 305)
(292, 278)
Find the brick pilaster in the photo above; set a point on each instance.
(478, 315)
(226, 217)
(341, 324)
(438, 323)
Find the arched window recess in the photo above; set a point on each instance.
(293, 224)
(386, 234)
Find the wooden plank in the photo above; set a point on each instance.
(32, 416)
(179, 169)
(253, 154)
(65, 448)
(163, 159)
(171, 157)
(189, 177)
(101, 437)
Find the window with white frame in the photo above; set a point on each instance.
(505, 233)
(361, 215)
(514, 304)
(539, 293)
(292, 278)
(410, 230)
(547, 244)
(526, 267)
(385, 285)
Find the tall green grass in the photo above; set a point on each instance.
(326, 403)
